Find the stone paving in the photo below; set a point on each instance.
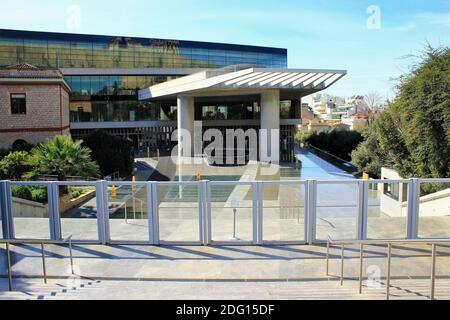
(219, 262)
(89, 289)
(246, 272)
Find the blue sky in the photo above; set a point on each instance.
(331, 34)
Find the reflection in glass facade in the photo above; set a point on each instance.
(59, 50)
(115, 98)
(111, 111)
(102, 95)
(232, 111)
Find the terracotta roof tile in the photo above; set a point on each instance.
(28, 71)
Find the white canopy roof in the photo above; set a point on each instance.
(230, 80)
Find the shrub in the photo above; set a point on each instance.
(39, 194)
(31, 193)
(14, 165)
(22, 192)
(303, 136)
(62, 157)
(75, 192)
(339, 143)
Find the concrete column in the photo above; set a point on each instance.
(186, 118)
(270, 121)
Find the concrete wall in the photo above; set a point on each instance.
(435, 204)
(29, 209)
(432, 205)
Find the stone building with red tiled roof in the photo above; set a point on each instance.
(34, 104)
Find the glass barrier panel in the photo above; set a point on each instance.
(434, 210)
(337, 211)
(232, 213)
(30, 211)
(1, 223)
(128, 213)
(78, 212)
(387, 211)
(178, 212)
(284, 212)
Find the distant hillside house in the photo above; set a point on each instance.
(34, 104)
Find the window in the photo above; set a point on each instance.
(18, 103)
(392, 190)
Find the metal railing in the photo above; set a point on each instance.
(42, 243)
(343, 244)
(312, 208)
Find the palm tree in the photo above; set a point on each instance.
(62, 157)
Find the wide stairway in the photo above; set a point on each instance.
(86, 289)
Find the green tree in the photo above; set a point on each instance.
(414, 131)
(14, 165)
(368, 156)
(339, 143)
(62, 157)
(111, 152)
(413, 134)
(303, 136)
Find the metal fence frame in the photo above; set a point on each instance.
(363, 244)
(205, 236)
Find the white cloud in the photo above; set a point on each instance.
(442, 19)
(404, 27)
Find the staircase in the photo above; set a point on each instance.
(409, 289)
(84, 289)
(35, 289)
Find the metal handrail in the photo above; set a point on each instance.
(389, 242)
(67, 240)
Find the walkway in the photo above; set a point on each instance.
(314, 167)
(292, 272)
(217, 263)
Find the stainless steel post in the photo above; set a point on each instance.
(8, 257)
(388, 277)
(328, 257)
(234, 224)
(71, 256)
(342, 264)
(43, 262)
(433, 272)
(361, 264)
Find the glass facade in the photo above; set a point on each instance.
(59, 50)
(115, 98)
(232, 111)
(243, 109)
(102, 96)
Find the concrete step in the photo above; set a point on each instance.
(35, 289)
(306, 290)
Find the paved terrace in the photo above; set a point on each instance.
(278, 272)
